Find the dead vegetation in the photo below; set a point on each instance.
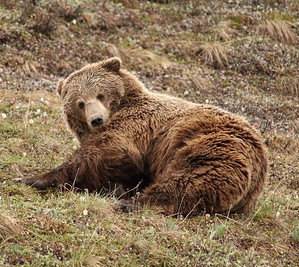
(147, 58)
(9, 226)
(214, 54)
(224, 30)
(288, 85)
(201, 83)
(278, 30)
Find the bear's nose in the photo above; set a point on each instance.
(96, 121)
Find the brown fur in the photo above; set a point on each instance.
(186, 158)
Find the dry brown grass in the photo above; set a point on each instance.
(8, 226)
(278, 30)
(143, 56)
(224, 30)
(201, 83)
(288, 85)
(148, 58)
(29, 68)
(214, 54)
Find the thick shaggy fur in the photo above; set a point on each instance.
(186, 158)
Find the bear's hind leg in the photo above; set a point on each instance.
(208, 175)
(173, 197)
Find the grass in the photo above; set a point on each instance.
(224, 30)
(79, 229)
(148, 59)
(289, 85)
(160, 42)
(279, 30)
(60, 236)
(8, 226)
(201, 83)
(295, 236)
(214, 53)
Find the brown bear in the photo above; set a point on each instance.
(186, 158)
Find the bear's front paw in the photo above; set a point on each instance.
(37, 182)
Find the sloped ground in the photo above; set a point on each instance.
(240, 55)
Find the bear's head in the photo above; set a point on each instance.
(91, 96)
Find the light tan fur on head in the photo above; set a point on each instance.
(91, 95)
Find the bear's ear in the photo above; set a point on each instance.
(112, 64)
(59, 86)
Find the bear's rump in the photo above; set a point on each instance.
(214, 170)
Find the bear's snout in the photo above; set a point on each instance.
(96, 121)
(96, 114)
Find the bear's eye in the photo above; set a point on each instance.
(100, 97)
(81, 104)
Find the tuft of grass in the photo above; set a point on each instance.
(265, 211)
(279, 30)
(217, 231)
(214, 54)
(40, 16)
(295, 236)
(201, 83)
(43, 23)
(281, 16)
(148, 58)
(288, 85)
(241, 19)
(29, 67)
(84, 256)
(224, 30)
(66, 9)
(8, 226)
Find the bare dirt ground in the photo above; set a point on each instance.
(240, 55)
